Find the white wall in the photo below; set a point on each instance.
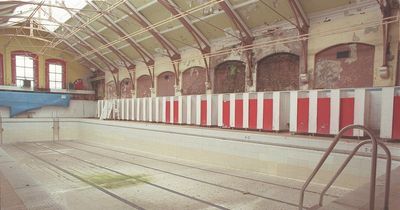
(292, 157)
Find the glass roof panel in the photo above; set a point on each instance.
(50, 15)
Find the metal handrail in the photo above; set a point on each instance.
(374, 143)
(388, 169)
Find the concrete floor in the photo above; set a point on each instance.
(82, 175)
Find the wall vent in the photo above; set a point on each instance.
(343, 54)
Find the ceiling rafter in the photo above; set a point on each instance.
(172, 51)
(92, 19)
(181, 26)
(302, 25)
(162, 22)
(79, 52)
(146, 56)
(201, 40)
(148, 59)
(244, 30)
(245, 35)
(87, 45)
(199, 37)
(386, 7)
(103, 40)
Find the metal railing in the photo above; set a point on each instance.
(374, 152)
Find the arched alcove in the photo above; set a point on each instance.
(143, 86)
(111, 90)
(229, 77)
(349, 65)
(278, 71)
(165, 84)
(193, 81)
(126, 88)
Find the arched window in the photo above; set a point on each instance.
(55, 74)
(143, 86)
(165, 84)
(230, 77)
(278, 71)
(25, 69)
(194, 81)
(349, 65)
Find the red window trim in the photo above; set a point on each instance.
(35, 66)
(64, 71)
(1, 70)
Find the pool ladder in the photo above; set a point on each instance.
(374, 152)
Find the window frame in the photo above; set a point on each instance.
(64, 71)
(35, 60)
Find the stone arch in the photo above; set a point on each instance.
(165, 84)
(229, 77)
(143, 86)
(348, 65)
(194, 81)
(279, 71)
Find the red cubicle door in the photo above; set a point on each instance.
(323, 115)
(176, 112)
(203, 113)
(226, 114)
(346, 114)
(396, 118)
(253, 114)
(239, 113)
(268, 113)
(302, 115)
(167, 112)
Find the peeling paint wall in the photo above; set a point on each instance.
(165, 84)
(352, 21)
(229, 77)
(111, 90)
(278, 72)
(327, 29)
(143, 86)
(193, 81)
(356, 70)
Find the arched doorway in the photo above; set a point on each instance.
(349, 65)
(165, 84)
(143, 86)
(126, 88)
(279, 71)
(230, 77)
(194, 81)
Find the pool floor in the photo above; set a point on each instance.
(87, 175)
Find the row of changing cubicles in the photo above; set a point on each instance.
(322, 112)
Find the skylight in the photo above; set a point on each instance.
(50, 15)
